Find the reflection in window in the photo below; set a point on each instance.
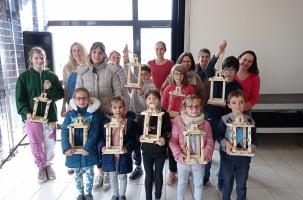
(149, 37)
(88, 10)
(64, 36)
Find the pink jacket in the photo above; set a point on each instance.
(176, 142)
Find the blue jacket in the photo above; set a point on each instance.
(92, 115)
(125, 163)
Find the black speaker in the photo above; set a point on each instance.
(39, 39)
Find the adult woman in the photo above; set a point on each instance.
(187, 60)
(249, 79)
(160, 67)
(77, 57)
(99, 77)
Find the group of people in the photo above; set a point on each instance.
(95, 89)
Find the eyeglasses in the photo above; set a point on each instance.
(229, 70)
(196, 107)
(81, 98)
(144, 74)
(178, 74)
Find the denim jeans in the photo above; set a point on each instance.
(89, 172)
(183, 174)
(234, 167)
(118, 187)
(149, 162)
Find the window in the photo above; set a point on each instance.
(113, 37)
(58, 10)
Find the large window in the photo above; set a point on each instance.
(138, 23)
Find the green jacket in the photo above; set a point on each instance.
(30, 85)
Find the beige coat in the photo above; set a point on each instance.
(103, 84)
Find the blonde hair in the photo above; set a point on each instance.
(72, 63)
(182, 70)
(191, 98)
(38, 50)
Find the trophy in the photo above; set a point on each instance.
(78, 124)
(240, 136)
(42, 99)
(151, 134)
(193, 145)
(109, 148)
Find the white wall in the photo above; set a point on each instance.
(272, 28)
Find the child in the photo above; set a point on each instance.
(42, 136)
(191, 113)
(154, 153)
(119, 165)
(233, 166)
(88, 107)
(230, 66)
(114, 58)
(137, 105)
(177, 78)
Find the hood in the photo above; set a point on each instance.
(93, 105)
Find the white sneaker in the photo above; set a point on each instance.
(106, 183)
(98, 182)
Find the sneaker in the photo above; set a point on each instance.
(42, 177)
(98, 183)
(89, 197)
(172, 178)
(123, 197)
(114, 197)
(106, 183)
(50, 172)
(81, 197)
(70, 171)
(136, 173)
(219, 188)
(206, 184)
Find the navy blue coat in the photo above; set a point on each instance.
(125, 163)
(77, 160)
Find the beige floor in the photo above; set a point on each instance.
(276, 173)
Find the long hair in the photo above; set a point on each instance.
(72, 63)
(190, 55)
(38, 50)
(254, 66)
(182, 70)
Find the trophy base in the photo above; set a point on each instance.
(149, 139)
(216, 102)
(173, 114)
(195, 160)
(239, 152)
(39, 119)
(77, 149)
(113, 150)
(134, 86)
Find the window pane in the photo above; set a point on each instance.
(155, 9)
(149, 37)
(64, 36)
(88, 10)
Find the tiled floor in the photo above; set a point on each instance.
(276, 173)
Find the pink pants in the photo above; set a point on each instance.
(42, 141)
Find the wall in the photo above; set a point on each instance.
(15, 16)
(272, 28)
